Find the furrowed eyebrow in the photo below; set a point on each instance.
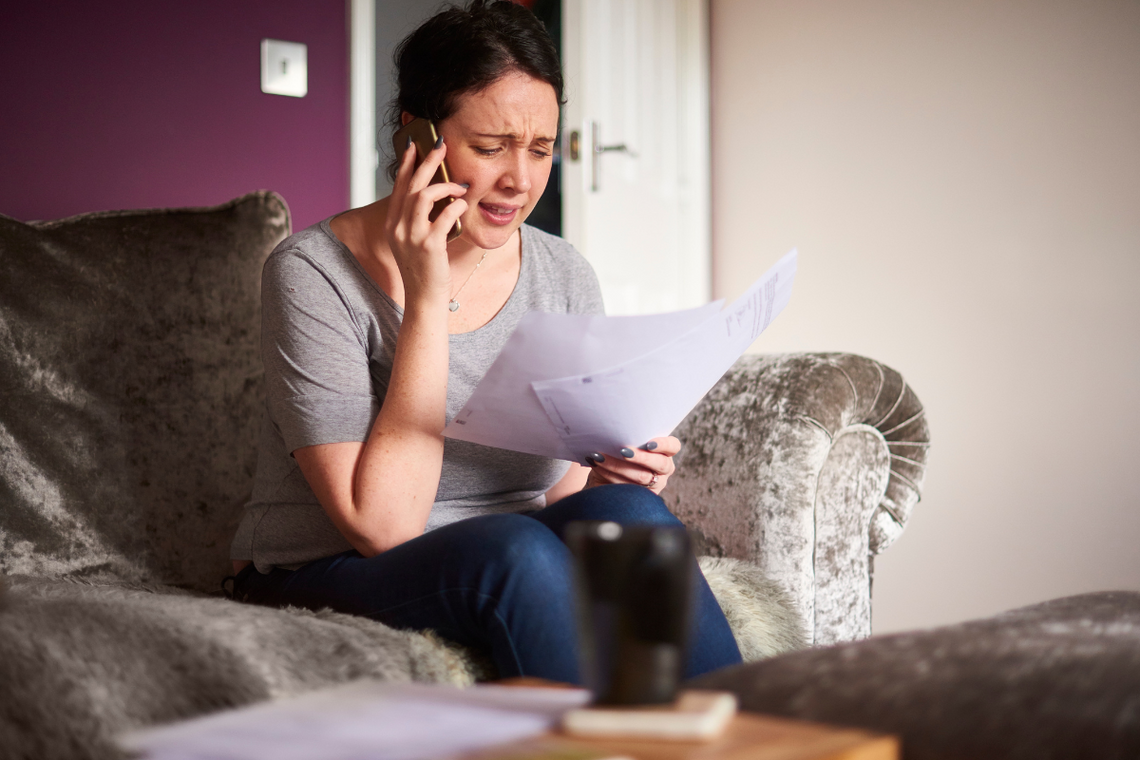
(513, 137)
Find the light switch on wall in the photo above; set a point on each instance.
(284, 68)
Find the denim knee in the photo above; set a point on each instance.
(634, 505)
(518, 543)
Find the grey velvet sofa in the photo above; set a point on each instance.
(130, 401)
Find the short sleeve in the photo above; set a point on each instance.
(585, 291)
(318, 385)
(569, 274)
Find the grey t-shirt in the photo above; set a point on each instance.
(328, 338)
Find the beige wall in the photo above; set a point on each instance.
(962, 179)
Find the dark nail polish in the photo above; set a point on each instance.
(464, 185)
(589, 462)
(439, 142)
(409, 143)
(627, 453)
(650, 446)
(598, 458)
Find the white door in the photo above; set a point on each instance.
(635, 149)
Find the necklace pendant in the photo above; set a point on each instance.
(453, 305)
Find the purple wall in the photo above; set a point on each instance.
(152, 103)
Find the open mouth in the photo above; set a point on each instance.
(498, 214)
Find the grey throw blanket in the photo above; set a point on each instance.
(81, 662)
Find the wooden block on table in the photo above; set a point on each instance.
(695, 716)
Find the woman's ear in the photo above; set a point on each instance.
(405, 118)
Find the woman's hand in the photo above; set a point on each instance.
(649, 466)
(418, 244)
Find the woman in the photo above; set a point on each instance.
(376, 331)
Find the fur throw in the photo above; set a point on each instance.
(81, 662)
(762, 616)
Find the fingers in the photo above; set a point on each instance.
(423, 173)
(403, 176)
(420, 224)
(409, 177)
(621, 472)
(639, 466)
(447, 218)
(413, 197)
(642, 466)
(600, 477)
(425, 199)
(655, 455)
(666, 444)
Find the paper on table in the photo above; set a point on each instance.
(365, 719)
(565, 386)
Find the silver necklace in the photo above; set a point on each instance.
(453, 305)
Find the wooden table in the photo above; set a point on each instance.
(749, 737)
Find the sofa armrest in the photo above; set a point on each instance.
(807, 465)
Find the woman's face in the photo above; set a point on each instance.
(499, 141)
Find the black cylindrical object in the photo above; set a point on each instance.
(634, 597)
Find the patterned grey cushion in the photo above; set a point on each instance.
(130, 373)
(1055, 680)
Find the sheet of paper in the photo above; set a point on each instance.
(505, 412)
(365, 719)
(565, 386)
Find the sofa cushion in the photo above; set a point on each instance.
(1055, 680)
(131, 379)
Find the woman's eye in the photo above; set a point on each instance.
(541, 153)
(486, 151)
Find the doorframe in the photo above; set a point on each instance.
(363, 156)
(694, 128)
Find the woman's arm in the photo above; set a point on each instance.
(379, 493)
(572, 482)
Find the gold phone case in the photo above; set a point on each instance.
(423, 134)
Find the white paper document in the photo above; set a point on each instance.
(364, 719)
(567, 385)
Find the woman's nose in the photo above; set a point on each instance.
(515, 175)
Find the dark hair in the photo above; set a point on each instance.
(465, 50)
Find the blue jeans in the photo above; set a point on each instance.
(501, 584)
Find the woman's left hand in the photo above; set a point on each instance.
(649, 466)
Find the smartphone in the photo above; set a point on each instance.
(424, 135)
